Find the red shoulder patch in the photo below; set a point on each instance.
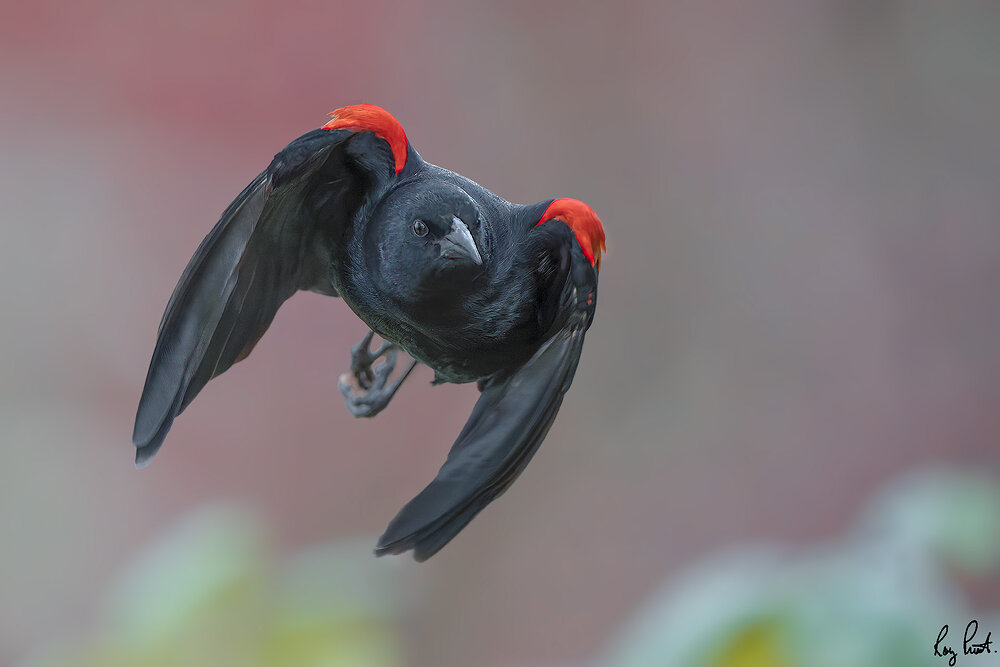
(584, 223)
(362, 117)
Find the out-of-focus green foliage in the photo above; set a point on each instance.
(211, 593)
(876, 598)
(950, 517)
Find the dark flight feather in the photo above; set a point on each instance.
(274, 239)
(507, 424)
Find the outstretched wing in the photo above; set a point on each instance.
(513, 413)
(278, 236)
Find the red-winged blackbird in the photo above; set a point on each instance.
(479, 289)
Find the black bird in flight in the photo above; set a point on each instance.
(479, 289)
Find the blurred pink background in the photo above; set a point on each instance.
(799, 300)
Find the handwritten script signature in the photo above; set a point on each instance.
(942, 650)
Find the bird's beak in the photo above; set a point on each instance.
(459, 244)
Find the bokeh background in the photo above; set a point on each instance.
(793, 368)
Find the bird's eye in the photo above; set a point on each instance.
(419, 228)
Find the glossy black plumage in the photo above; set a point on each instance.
(483, 294)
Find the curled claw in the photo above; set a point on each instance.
(384, 369)
(359, 404)
(362, 359)
(373, 400)
(370, 391)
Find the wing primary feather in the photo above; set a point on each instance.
(503, 433)
(279, 235)
(190, 320)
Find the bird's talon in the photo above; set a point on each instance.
(362, 359)
(384, 370)
(366, 388)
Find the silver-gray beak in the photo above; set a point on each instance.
(459, 244)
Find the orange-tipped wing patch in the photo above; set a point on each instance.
(584, 223)
(368, 117)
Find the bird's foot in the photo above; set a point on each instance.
(373, 380)
(363, 359)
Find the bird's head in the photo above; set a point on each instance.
(426, 241)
